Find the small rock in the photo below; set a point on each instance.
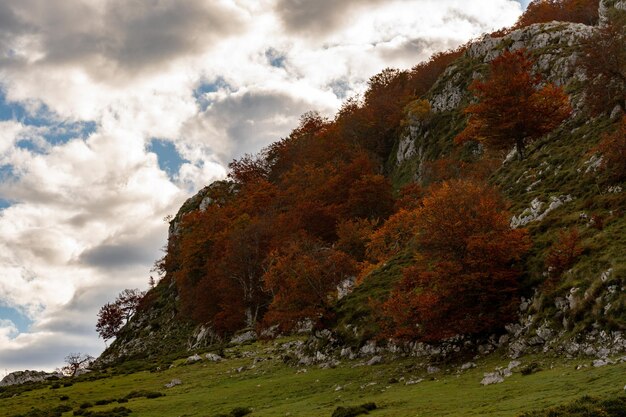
(413, 381)
(492, 378)
(194, 358)
(173, 383)
(338, 388)
(600, 362)
(514, 364)
(375, 360)
(244, 337)
(432, 369)
(467, 366)
(213, 357)
(368, 349)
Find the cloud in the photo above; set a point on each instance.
(317, 17)
(116, 35)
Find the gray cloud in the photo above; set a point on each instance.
(319, 16)
(117, 256)
(418, 49)
(119, 36)
(248, 121)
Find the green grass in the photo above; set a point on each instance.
(271, 388)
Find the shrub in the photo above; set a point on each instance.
(354, 411)
(531, 368)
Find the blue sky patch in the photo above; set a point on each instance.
(4, 203)
(275, 58)
(22, 322)
(209, 87)
(169, 159)
(52, 130)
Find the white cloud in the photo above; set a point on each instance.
(86, 221)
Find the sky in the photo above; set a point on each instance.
(113, 112)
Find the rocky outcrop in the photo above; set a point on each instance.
(22, 377)
(555, 45)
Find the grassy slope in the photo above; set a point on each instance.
(274, 389)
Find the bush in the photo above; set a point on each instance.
(139, 394)
(237, 412)
(104, 402)
(531, 368)
(354, 411)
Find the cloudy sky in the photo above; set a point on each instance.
(112, 112)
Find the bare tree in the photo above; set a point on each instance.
(76, 362)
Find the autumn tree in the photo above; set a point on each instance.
(302, 278)
(464, 277)
(110, 321)
(514, 106)
(112, 316)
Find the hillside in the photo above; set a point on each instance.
(560, 186)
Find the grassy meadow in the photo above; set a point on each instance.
(270, 388)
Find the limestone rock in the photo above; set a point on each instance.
(245, 337)
(213, 357)
(194, 358)
(173, 383)
(21, 377)
(492, 378)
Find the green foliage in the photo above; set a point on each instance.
(236, 412)
(143, 393)
(354, 411)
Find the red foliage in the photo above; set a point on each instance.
(302, 277)
(110, 321)
(513, 107)
(464, 279)
(410, 196)
(112, 316)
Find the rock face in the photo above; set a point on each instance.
(21, 377)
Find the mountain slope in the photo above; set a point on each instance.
(558, 186)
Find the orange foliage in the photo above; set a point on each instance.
(302, 277)
(410, 196)
(392, 236)
(353, 236)
(464, 279)
(513, 107)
